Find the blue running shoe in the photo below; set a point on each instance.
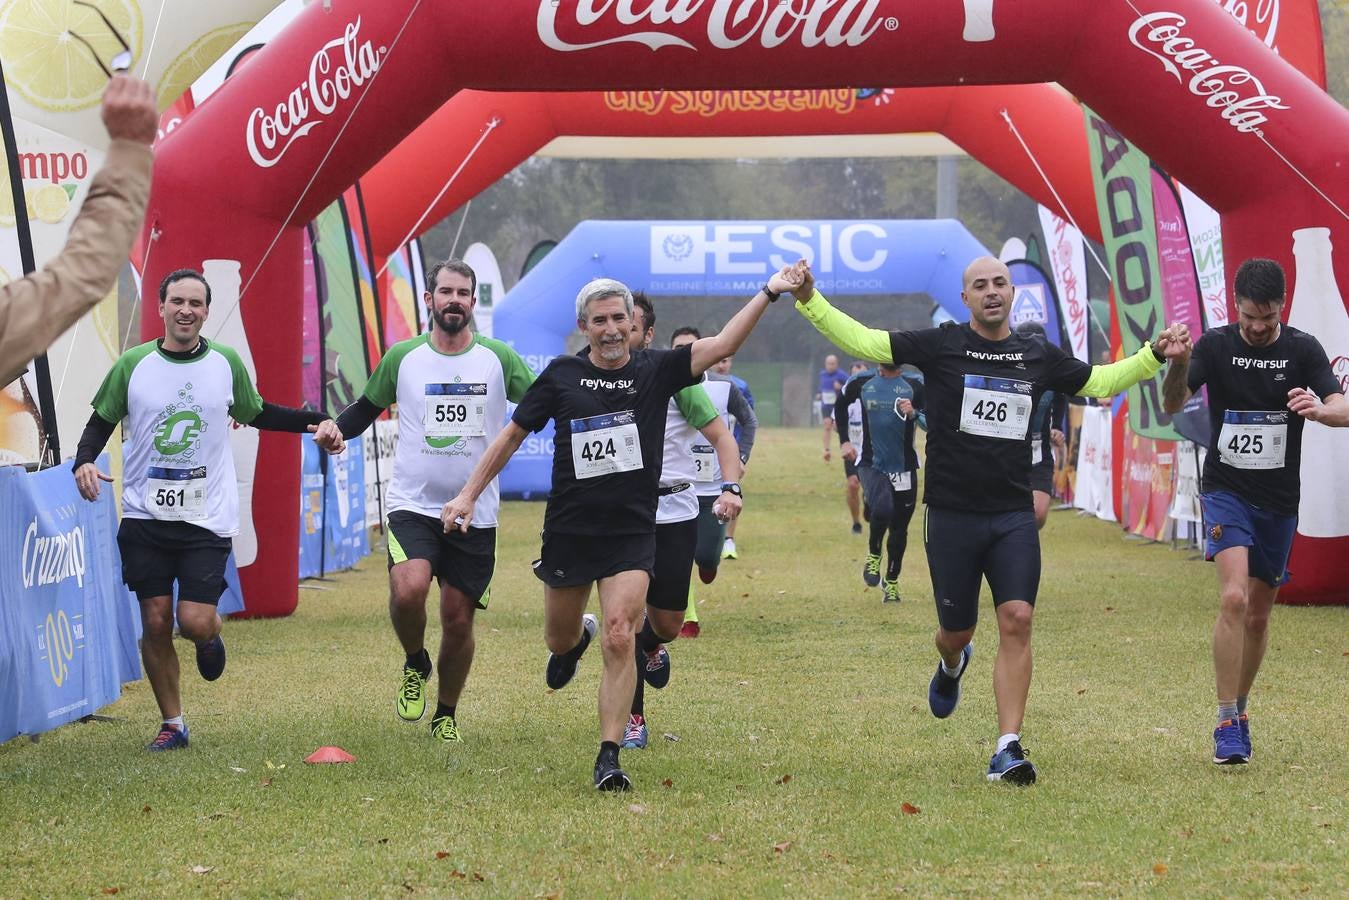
(1229, 747)
(634, 736)
(169, 738)
(1244, 721)
(1010, 765)
(561, 669)
(654, 666)
(943, 692)
(211, 658)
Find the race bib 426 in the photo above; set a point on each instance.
(995, 407)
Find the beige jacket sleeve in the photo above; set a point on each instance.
(34, 310)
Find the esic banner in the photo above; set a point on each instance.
(68, 626)
(1123, 177)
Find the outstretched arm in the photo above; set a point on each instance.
(1106, 381)
(846, 333)
(704, 352)
(458, 513)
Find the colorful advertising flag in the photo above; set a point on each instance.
(1066, 260)
(1033, 299)
(1206, 244)
(1123, 177)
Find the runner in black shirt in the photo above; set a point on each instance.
(608, 409)
(981, 381)
(1256, 371)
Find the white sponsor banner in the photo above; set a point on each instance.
(1095, 487)
(1185, 499)
(491, 286)
(1067, 263)
(1206, 240)
(380, 443)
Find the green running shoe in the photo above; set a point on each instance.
(444, 730)
(871, 570)
(411, 703)
(890, 591)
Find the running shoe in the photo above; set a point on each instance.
(690, 630)
(609, 777)
(943, 692)
(444, 730)
(1010, 765)
(211, 658)
(1244, 721)
(411, 702)
(634, 736)
(871, 570)
(654, 666)
(169, 738)
(728, 549)
(561, 669)
(1229, 747)
(890, 591)
(856, 527)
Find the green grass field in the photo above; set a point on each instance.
(806, 761)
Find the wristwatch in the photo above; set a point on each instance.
(1161, 358)
(771, 295)
(733, 488)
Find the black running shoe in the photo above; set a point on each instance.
(211, 658)
(609, 777)
(561, 669)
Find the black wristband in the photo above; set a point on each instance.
(771, 295)
(1155, 355)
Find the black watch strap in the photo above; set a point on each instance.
(771, 295)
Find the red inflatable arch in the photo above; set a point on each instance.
(349, 80)
(399, 187)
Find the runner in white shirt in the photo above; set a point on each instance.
(451, 387)
(180, 500)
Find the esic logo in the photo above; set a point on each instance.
(178, 432)
(747, 249)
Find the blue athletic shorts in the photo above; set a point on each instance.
(1230, 521)
(964, 548)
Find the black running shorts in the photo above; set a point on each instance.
(963, 548)
(568, 560)
(465, 562)
(669, 588)
(155, 554)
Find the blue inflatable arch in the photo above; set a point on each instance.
(718, 259)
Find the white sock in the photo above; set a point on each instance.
(177, 722)
(953, 672)
(1007, 739)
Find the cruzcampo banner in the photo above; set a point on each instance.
(1123, 179)
(68, 626)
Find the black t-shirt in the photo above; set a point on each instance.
(609, 428)
(1256, 447)
(980, 395)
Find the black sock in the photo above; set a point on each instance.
(639, 697)
(420, 661)
(609, 752)
(647, 639)
(443, 710)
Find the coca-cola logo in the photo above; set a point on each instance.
(1339, 367)
(1232, 89)
(730, 23)
(270, 134)
(1256, 15)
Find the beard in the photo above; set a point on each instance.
(451, 319)
(613, 350)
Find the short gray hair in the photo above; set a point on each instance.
(598, 290)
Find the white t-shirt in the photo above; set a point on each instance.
(179, 466)
(710, 481)
(450, 407)
(689, 410)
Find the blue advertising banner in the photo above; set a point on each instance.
(344, 519)
(1034, 299)
(311, 511)
(68, 626)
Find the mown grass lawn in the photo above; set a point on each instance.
(805, 763)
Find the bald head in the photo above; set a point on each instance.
(830, 363)
(986, 265)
